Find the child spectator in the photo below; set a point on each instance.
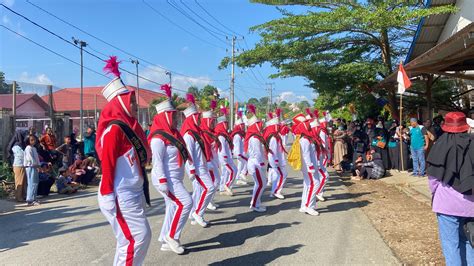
(64, 182)
(66, 150)
(31, 163)
(46, 180)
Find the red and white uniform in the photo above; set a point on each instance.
(212, 162)
(228, 168)
(120, 196)
(324, 158)
(239, 153)
(309, 169)
(167, 177)
(277, 173)
(256, 162)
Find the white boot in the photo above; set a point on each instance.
(174, 245)
(199, 220)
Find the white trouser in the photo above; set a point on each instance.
(178, 206)
(241, 167)
(323, 172)
(260, 181)
(277, 176)
(203, 190)
(228, 174)
(310, 186)
(130, 226)
(213, 167)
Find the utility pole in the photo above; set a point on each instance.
(232, 83)
(136, 62)
(168, 73)
(270, 99)
(81, 44)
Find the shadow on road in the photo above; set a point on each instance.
(236, 238)
(260, 257)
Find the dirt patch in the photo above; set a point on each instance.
(408, 226)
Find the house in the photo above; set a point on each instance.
(68, 101)
(27, 105)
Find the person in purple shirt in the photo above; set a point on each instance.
(451, 180)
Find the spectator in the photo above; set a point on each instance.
(418, 146)
(437, 121)
(393, 149)
(32, 132)
(74, 143)
(48, 140)
(373, 168)
(46, 180)
(31, 163)
(379, 143)
(451, 181)
(403, 136)
(66, 150)
(16, 152)
(359, 140)
(89, 142)
(370, 129)
(64, 184)
(340, 147)
(430, 131)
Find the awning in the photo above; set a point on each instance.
(451, 58)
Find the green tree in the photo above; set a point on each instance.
(6, 88)
(340, 46)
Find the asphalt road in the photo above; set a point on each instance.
(72, 231)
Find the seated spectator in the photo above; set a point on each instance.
(64, 183)
(451, 180)
(346, 163)
(373, 168)
(67, 152)
(83, 171)
(46, 179)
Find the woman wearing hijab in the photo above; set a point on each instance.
(238, 136)
(196, 168)
(208, 123)
(169, 155)
(379, 143)
(276, 159)
(228, 168)
(340, 147)
(255, 147)
(310, 161)
(16, 149)
(121, 190)
(451, 180)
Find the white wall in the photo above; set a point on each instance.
(458, 20)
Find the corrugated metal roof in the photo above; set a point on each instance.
(429, 30)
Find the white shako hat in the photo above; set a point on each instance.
(223, 117)
(210, 113)
(192, 109)
(314, 123)
(239, 119)
(273, 120)
(254, 119)
(116, 86)
(166, 105)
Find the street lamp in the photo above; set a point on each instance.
(81, 44)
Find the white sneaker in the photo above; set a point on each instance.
(320, 198)
(211, 207)
(228, 191)
(311, 211)
(199, 220)
(302, 210)
(243, 178)
(241, 182)
(165, 247)
(174, 245)
(258, 209)
(278, 196)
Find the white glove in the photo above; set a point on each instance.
(107, 202)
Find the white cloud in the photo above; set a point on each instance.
(291, 97)
(40, 79)
(185, 49)
(5, 20)
(159, 75)
(8, 3)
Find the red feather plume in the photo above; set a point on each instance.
(270, 115)
(278, 112)
(324, 113)
(252, 109)
(213, 105)
(190, 98)
(224, 110)
(112, 66)
(239, 114)
(316, 113)
(308, 111)
(167, 89)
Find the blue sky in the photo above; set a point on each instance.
(135, 28)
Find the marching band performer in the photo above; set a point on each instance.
(256, 149)
(276, 159)
(208, 122)
(228, 168)
(325, 155)
(169, 155)
(200, 154)
(121, 191)
(238, 136)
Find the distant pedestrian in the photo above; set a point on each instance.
(451, 180)
(418, 146)
(31, 163)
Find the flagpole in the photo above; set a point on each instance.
(401, 131)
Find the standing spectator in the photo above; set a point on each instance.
(66, 150)
(379, 143)
(89, 142)
(340, 147)
(359, 140)
(393, 149)
(16, 150)
(370, 130)
(74, 143)
(48, 140)
(418, 146)
(437, 121)
(31, 163)
(430, 131)
(451, 180)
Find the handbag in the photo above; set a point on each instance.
(381, 144)
(469, 231)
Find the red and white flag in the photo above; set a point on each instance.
(403, 80)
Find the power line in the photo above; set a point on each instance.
(215, 19)
(203, 19)
(51, 51)
(118, 48)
